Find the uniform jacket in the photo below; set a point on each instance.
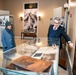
(7, 40)
(59, 33)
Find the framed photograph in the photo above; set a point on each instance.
(30, 17)
(3, 20)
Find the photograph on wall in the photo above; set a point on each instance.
(30, 17)
(3, 20)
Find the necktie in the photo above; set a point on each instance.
(54, 28)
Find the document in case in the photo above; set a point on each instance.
(32, 64)
(37, 55)
(48, 57)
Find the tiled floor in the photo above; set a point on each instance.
(18, 42)
(62, 71)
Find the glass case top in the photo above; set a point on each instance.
(39, 48)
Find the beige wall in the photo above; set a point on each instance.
(72, 30)
(45, 6)
(1, 4)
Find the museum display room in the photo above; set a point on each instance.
(34, 54)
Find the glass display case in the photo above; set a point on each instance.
(3, 19)
(30, 58)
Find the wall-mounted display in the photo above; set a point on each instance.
(3, 20)
(30, 17)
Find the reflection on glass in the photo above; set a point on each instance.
(54, 45)
(38, 44)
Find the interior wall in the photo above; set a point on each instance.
(72, 30)
(1, 4)
(45, 6)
